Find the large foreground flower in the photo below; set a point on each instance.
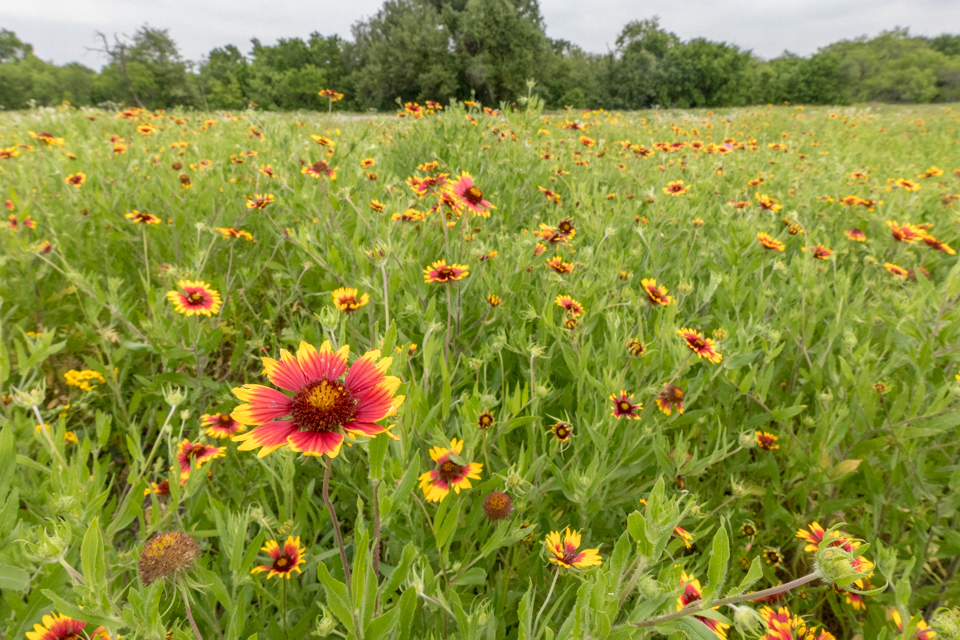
(563, 551)
(323, 407)
(703, 347)
(60, 627)
(436, 484)
(782, 625)
(197, 298)
(569, 305)
(285, 560)
(692, 592)
(471, 196)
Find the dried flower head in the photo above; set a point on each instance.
(497, 506)
(165, 554)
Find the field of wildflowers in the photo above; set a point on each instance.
(472, 373)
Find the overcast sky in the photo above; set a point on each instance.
(60, 30)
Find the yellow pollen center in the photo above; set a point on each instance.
(323, 396)
(624, 406)
(195, 298)
(282, 562)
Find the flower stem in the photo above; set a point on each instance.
(186, 604)
(536, 622)
(49, 438)
(446, 349)
(386, 301)
(699, 606)
(283, 612)
(334, 521)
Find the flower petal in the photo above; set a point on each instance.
(366, 372)
(316, 443)
(286, 372)
(322, 364)
(270, 437)
(265, 404)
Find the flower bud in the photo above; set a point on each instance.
(685, 287)
(748, 440)
(185, 415)
(650, 588)
(834, 565)
(747, 621)
(173, 396)
(31, 398)
(946, 622)
(50, 547)
(325, 624)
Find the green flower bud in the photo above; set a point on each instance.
(173, 396)
(747, 621)
(325, 624)
(835, 565)
(649, 587)
(31, 398)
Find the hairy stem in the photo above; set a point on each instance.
(334, 521)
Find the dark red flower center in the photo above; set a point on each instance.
(323, 406)
(624, 406)
(473, 195)
(696, 343)
(445, 273)
(565, 227)
(283, 564)
(196, 298)
(562, 431)
(449, 471)
(224, 421)
(195, 451)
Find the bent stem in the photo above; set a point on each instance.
(699, 606)
(186, 605)
(334, 521)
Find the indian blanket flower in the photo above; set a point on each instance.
(820, 252)
(485, 420)
(814, 535)
(768, 203)
(676, 188)
(635, 347)
(587, 142)
(165, 555)
(318, 169)
(557, 264)
(693, 592)
(906, 232)
(924, 632)
(259, 200)
(141, 217)
(471, 196)
(323, 407)
(783, 625)
(855, 234)
(193, 455)
(767, 441)
(569, 305)
(196, 298)
(59, 627)
(230, 232)
(440, 272)
(220, 425)
(907, 185)
(656, 294)
(563, 551)
(670, 400)
(449, 474)
(769, 242)
(347, 301)
(684, 535)
(936, 245)
(493, 300)
(286, 560)
(703, 347)
(623, 406)
(562, 431)
(895, 270)
(75, 179)
(86, 379)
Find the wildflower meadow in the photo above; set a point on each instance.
(479, 373)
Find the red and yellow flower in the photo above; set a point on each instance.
(692, 592)
(895, 270)
(703, 347)
(820, 252)
(141, 217)
(60, 627)
(906, 232)
(347, 301)
(569, 305)
(924, 632)
(767, 441)
(449, 474)
(318, 169)
(323, 407)
(783, 625)
(670, 400)
(260, 200)
(563, 551)
(768, 203)
(623, 406)
(220, 425)
(855, 234)
(440, 272)
(75, 179)
(769, 242)
(676, 188)
(193, 455)
(196, 298)
(907, 185)
(285, 560)
(656, 294)
(471, 196)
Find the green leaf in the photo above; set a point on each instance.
(378, 450)
(754, 573)
(403, 569)
(83, 615)
(13, 578)
(408, 607)
(91, 557)
(719, 563)
(382, 626)
(525, 614)
(338, 598)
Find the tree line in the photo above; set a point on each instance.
(487, 50)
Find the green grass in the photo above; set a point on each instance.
(804, 342)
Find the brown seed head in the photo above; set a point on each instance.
(497, 505)
(165, 554)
